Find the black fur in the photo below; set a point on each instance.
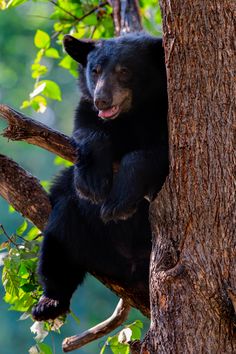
(99, 222)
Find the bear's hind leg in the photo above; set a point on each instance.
(59, 268)
(60, 278)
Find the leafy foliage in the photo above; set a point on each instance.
(119, 343)
(19, 254)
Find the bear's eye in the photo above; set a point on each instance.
(96, 70)
(124, 73)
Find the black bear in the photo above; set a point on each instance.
(99, 221)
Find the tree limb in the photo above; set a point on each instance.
(117, 318)
(24, 192)
(21, 127)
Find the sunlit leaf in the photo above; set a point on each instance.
(44, 348)
(42, 40)
(38, 70)
(39, 103)
(52, 53)
(59, 161)
(21, 229)
(13, 3)
(50, 89)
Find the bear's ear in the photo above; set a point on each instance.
(78, 49)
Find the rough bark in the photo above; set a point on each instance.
(193, 279)
(24, 192)
(21, 127)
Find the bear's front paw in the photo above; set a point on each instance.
(117, 210)
(92, 183)
(49, 309)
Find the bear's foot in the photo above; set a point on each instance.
(113, 211)
(49, 309)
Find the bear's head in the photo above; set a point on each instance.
(118, 71)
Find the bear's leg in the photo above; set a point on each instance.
(60, 264)
(60, 278)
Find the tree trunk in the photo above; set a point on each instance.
(193, 279)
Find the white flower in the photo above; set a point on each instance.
(40, 332)
(33, 350)
(125, 335)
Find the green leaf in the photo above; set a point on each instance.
(42, 40)
(21, 229)
(66, 62)
(50, 89)
(69, 64)
(39, 104)
(25, 104)
(59, 161)
(52, 53)
(38, 70)
(32, 234)
(13, 3)
(11, 209)
(91, 20)
(45, 185)
(44, 348)
(73, 315)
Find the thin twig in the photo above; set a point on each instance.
(78, 19)
(64, 10)
(7, 236)
(115, 320)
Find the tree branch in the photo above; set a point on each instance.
(21, 127)
(24, 192)
(117, 318)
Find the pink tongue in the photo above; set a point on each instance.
(107, 113)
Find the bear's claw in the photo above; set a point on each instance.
(49, 309)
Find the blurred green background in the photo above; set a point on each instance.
(93, 302)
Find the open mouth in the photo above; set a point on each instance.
(109, 113)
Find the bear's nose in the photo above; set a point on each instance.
(103, 103)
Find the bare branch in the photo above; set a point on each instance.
(24, 128)
(117, 318)
(24, 192)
